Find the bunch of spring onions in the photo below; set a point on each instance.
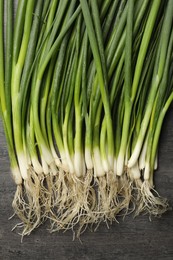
(84, 89)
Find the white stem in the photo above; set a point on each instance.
(79, 164)
(135, 172)
(126, 158)
(120, 164)
(135, 155)
(28, 158)
(143, 156)
(105, 165)
(16, 175)
(45, 166)
(53, 168)
(57, 162)
(70, 162)
(115, 166)
(23, 165)
(36, 165)
(64, 161)
(110, 162)
(88, 159)
(55, 156)
(98, 167)
(46, 154)
(147, 171)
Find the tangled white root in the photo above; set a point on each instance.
(74, 203)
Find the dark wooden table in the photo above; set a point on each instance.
(133, 239)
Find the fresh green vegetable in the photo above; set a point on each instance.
(84, 89)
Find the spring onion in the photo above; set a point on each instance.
(84, 90)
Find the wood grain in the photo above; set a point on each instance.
(131, 239)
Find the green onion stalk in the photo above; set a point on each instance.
(84, 90)
(5, 86)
